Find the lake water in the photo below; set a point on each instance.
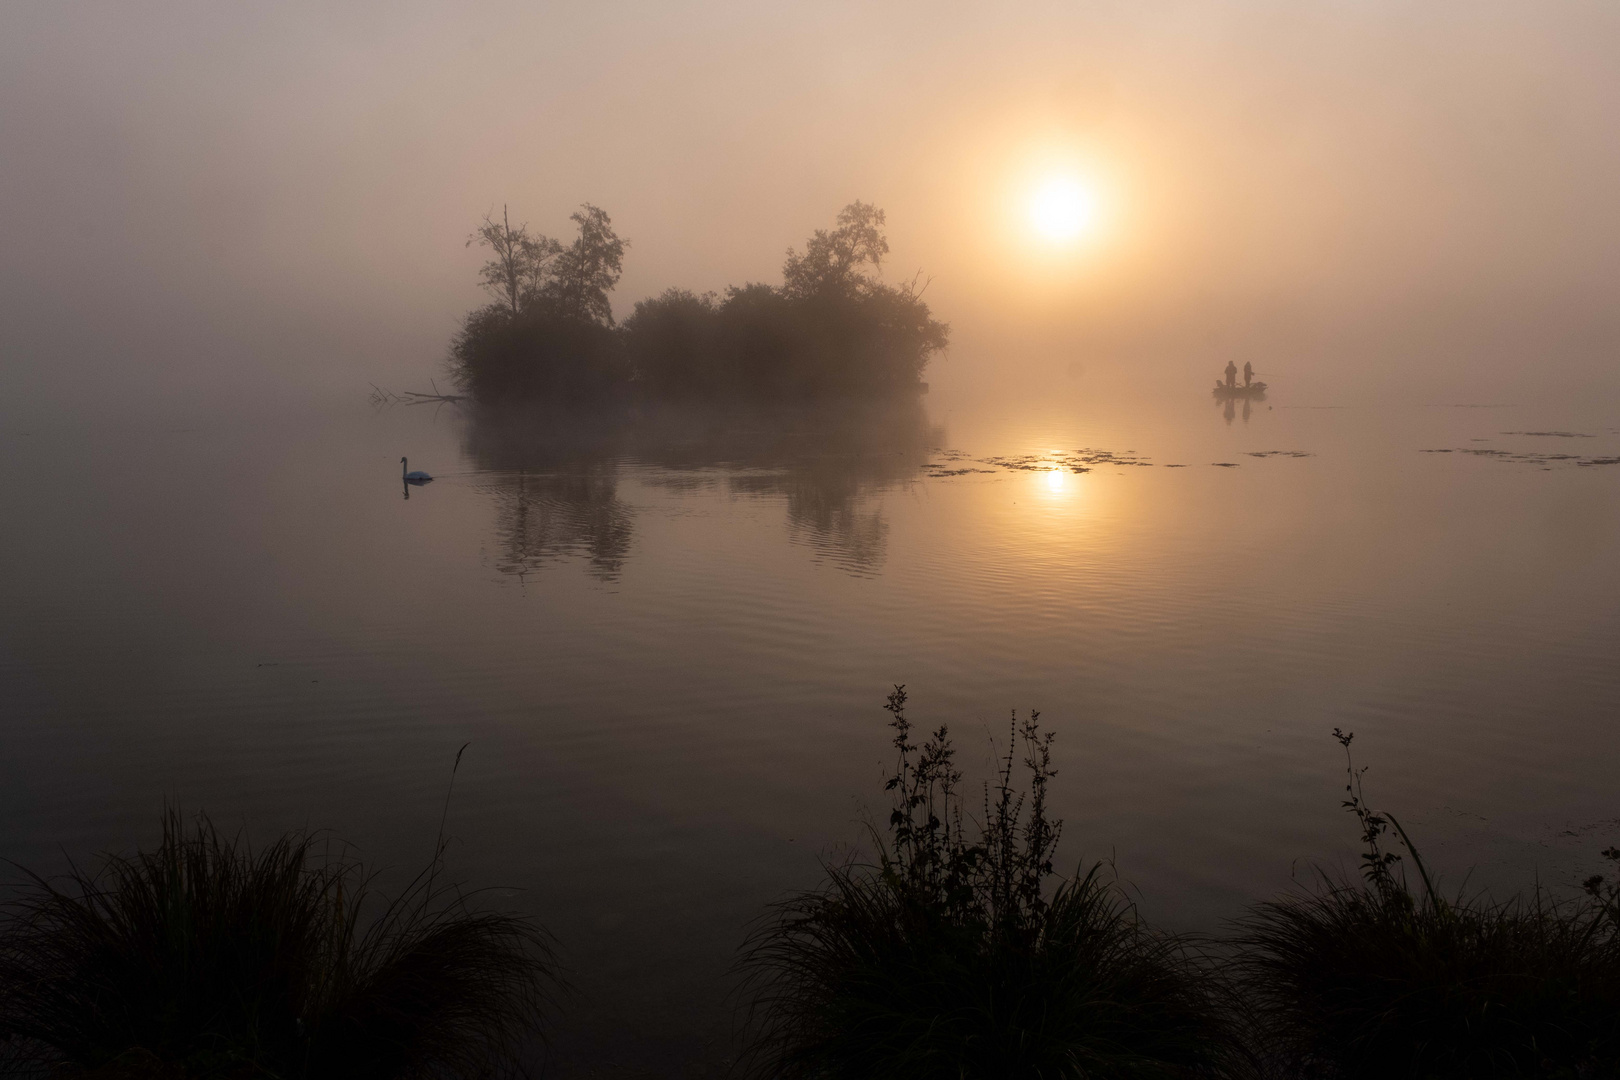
(668, 643)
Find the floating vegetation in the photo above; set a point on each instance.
(948, 465)
(1079, 461)
(1554, 434)
(1527, 457)
(957, 463)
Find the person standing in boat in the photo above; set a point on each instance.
(1248, 373)
(1231, 374)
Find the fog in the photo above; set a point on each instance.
(208, 202)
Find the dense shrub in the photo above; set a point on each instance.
(759, 342)
(831, 328)
(672, 342)
(204, 958)
(537, 354)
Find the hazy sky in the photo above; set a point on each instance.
(242, 196)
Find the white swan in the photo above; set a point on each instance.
(417, 477)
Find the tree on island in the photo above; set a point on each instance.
(550, 332)
(832, 328)
(521, 266)
(536, 271)
(833, 262)
(588, 269)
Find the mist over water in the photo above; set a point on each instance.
(218, 205)
(667, 628)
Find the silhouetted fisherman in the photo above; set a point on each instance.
(1231, 375)
(1248, 373)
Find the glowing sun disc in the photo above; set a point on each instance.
(1061, 209)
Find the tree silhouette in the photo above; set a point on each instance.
(522, 264)
(588, 269)
(833, 262)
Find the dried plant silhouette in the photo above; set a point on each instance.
(205, 957)
(1374, 978)
(961, 953)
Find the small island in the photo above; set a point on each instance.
(832, 329)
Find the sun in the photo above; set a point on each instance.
(1062, 209)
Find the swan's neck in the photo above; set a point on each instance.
(404, 466)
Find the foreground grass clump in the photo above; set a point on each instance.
(951, 958)
(1373, 979)
(205, 958)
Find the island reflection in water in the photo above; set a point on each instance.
(555, 477)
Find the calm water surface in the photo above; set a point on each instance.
(668, 643)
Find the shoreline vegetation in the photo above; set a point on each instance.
(832, 329)
(955, 949)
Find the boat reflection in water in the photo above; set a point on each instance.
(556, 476)
(1228, 395)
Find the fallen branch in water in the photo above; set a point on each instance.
(380, 396)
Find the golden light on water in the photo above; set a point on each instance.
(1062, 209)
(1055, 479)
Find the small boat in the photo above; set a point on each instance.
(1255, 390)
